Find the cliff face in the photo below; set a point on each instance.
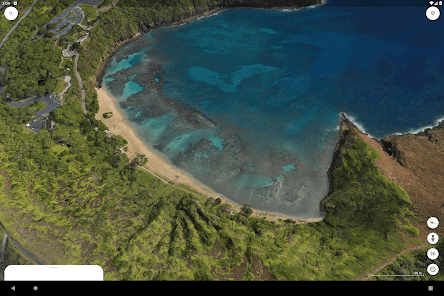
(268, 3)
(417, 164)
(431, 137)
(414, 161)
(216, 5)
(145, 25)
(347, 130)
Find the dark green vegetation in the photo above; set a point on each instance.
(33, 66)
(71, 191)
(37, 106)
(87, 205)
(90, 13)
(364, 197)
(104, 3)
(13, 256)
(247, 210)
(6, 25)
(122, 23)
(409, 263)
(108, 115)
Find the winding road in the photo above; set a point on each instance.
(17, 24)
(16, 244)
(79, 17)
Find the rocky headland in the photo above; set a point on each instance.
(414, 161)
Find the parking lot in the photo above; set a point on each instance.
(51, 102)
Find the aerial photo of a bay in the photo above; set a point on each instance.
(246, 102)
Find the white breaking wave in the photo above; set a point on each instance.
(309, 7)
(358, 125)
(410, 131)
(423, 128)
(199, 18)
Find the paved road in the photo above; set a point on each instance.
(72, 20)
(26, 253)
(3, 69)
(16, 25)
(88, 2)
(2, 257)
(51, 103)
(2, 79)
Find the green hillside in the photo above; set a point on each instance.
(70, 190)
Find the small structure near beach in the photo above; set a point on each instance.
(107, 115)
(140, 159)
(108, 133)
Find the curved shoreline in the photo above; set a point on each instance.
(118, 124)
(185, 18)
(159, 165)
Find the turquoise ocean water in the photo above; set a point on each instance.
(247, 100)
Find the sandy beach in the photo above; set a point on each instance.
(160, 167)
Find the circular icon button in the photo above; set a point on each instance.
(432, 253)
(432, 238)
(432, 269)
(432, 13)
(432, 222)
(11, 13)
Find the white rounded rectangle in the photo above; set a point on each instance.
(53, 273)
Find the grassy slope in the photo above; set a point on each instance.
(409, 263)
(14, 257)
(32, 66)
(85, 205)
(137, 227)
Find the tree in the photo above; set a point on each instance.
(107, 115)
(247, 210)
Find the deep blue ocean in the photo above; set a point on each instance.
(248, 100)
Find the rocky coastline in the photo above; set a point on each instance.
(409, 159)
(434, 135)
(189, 16)
(97, 79)
(347, 130)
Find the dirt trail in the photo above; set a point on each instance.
(393, 258)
